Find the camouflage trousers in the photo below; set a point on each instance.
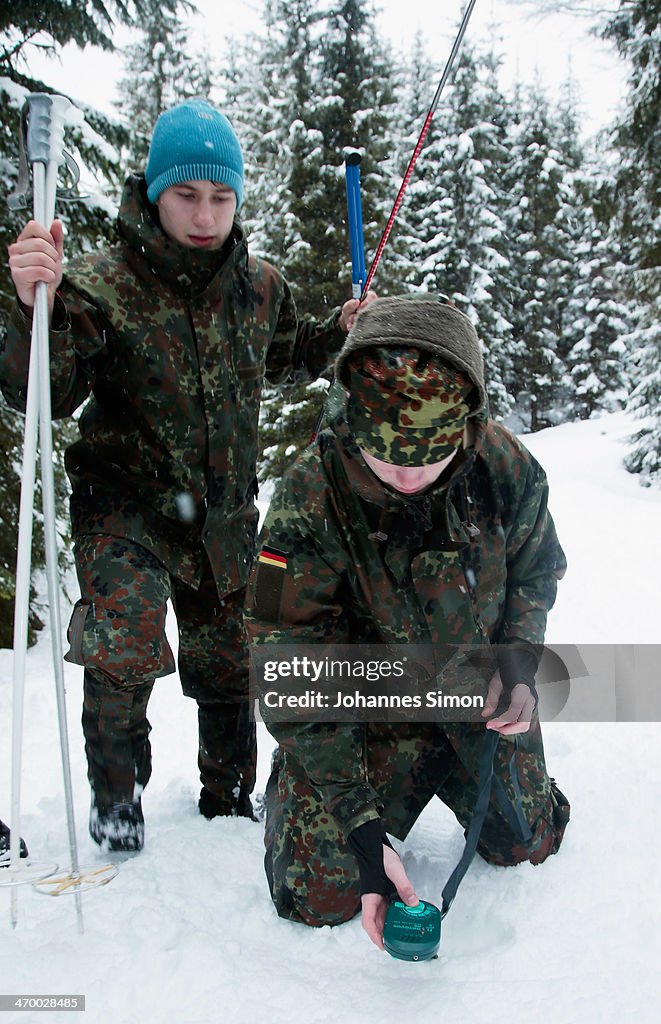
(313, 876)
(117, 632)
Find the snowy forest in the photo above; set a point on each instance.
(550, 243)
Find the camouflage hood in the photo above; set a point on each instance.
(151, 252)
(408, 380)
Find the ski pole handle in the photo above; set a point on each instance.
(41, 142)
(45, 127)
(355, 216)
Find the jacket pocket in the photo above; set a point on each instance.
(75, 633)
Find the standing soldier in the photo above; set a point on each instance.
(173, 332)
(413, 520)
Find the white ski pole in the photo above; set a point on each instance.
(44, 142)
(54, 108)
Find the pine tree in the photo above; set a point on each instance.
(265, 86)
(416, 84)
(459, 244)
(324, 84)
(491, 284)
(267, 89)
(598, 314)
(634, 29)
(645, 401)
(599, 321)
(354, 108)
(540, 181)
(579, 294)
(50, 24)
(161, 70)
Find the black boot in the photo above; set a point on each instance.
(227, 760)
(118, 760)
(212, 806)
(118, 828)
(4, 845)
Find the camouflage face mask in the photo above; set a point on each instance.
(405, 406)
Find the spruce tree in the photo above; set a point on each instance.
(634, 29)
(645, 401)
(266, 90)
(354, 108)
(578, 293)
(459, 245)
(598, 315)
(324, 84)
(160, 70)
(540, 182)
(598, 323)
(416, 85)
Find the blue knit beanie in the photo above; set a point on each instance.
(193, 142)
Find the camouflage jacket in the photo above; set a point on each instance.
(174, 347)
(356, 562)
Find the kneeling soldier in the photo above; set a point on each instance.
(413, 519)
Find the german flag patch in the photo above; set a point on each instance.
(271, 556)
(269, 581)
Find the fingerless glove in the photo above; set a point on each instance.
(366, 843)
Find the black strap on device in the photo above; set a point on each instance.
(484, 783)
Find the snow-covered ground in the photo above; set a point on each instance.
(186, 934)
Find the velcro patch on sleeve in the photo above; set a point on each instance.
(269, 581)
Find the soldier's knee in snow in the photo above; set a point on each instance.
(546, 836)
(337, 909)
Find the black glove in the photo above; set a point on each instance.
(366, 843)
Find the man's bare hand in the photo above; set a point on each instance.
(516, 718)
(352, 308)
(376, 906)
(35, 256)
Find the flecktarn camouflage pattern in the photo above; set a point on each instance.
(313, 876)
(405, 407)
(473, 560)
(117, 632)
(171, 346)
